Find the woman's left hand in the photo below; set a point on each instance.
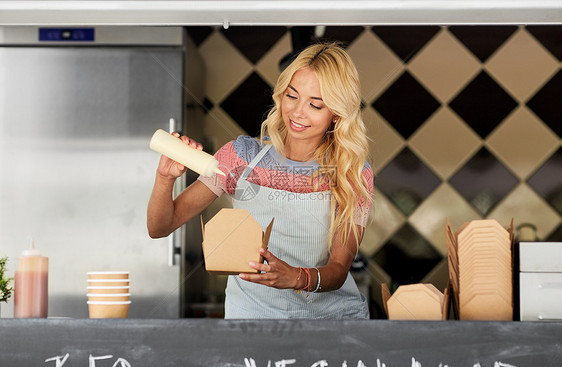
(276, 273)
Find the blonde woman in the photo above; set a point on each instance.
(309, 171)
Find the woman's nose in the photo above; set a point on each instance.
(300, 109)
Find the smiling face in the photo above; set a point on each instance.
(305, 115)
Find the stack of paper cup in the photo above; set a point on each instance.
(108, 294)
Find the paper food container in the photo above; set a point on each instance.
(480, 259)
(231, 239)
(415, 302)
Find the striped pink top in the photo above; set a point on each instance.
(274, 172)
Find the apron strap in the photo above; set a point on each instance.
(255, 161)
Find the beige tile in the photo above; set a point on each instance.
(522, 142)
(430, 217)
(444, 66)
(523, 205)
(384, 141)
(378, 66)
(225, 67)
(522, 65)
(220, 128)
(385, 219)
(268, 66)
(445, 142)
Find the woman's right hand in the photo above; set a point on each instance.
(168, 168)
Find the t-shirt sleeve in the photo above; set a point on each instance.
(218, 183)
(233, 158)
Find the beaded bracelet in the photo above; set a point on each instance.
(308, 282)
(318, 284)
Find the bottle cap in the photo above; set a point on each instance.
(31, 251)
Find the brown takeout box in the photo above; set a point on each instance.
(415, 302)
(231, 239)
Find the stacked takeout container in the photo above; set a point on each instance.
(108, 294)
(481, 270)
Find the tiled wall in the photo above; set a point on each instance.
(465, 122)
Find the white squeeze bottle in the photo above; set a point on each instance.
(194, 159)
(31, 284)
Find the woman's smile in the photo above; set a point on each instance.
(298, 127)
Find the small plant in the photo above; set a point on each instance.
(5, 288)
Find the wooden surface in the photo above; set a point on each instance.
(207, 342)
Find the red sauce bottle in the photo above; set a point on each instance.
(31, 285)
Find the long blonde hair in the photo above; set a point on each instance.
(344, 149)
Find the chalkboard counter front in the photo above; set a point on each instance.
(211, 342)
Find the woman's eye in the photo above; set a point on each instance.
(290, 96)
(315, 107)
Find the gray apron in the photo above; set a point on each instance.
(300, 238)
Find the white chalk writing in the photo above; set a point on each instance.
(250, 362)
(60, 360)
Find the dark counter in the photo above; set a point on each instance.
(208, 342)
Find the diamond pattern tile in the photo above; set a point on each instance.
(496, 87)
(268, 66)
(384, 141)
(406, 104)
(444, 142)
(253, 42)
(220, 128)
(483, 181)
(221, 59)
(482, 41)
(377, 65)
(525, 206)
(242, 104)
(549, 36)
(406, 181)
(385, 219)
(199, 34)
(407, 257)
(555, 236)
(483, 104)
(547, 181)
(406, 41)
(522, 142)
(522, 76)
(438, 276)
(546, 103)
(431, 216)
(444, 66)
(344, 35)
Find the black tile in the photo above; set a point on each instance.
(483, 181)
(199, 33)
(406, 41)
(483, 104)
(253, 41)
(406, 104)
(407, 257)
(482, 41)
(547, 181)
(546, 103)
(249, 103)
(550, 36)
(345, 34)
(556, 235)
(406, 181)
(207, 105)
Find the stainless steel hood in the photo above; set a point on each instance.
(273, 12)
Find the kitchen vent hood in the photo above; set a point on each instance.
(271, 12)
